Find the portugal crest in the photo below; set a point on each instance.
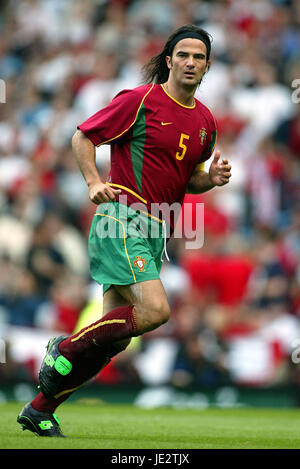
(202, 135)
(140, 263)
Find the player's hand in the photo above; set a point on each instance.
(100, 193)
(219, 171)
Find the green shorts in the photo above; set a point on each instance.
(125, 246)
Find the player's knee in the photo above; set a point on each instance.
(154, 316)
(164, 313)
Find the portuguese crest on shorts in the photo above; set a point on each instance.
(140, 263)
(202, 135)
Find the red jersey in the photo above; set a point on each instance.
(156, 143)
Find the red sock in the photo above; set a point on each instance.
(116, 325)
(45, 404)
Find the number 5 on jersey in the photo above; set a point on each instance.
(182, 145)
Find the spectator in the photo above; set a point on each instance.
(44, 259)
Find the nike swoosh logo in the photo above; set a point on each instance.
(166, 123)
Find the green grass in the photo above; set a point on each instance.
(119, 427)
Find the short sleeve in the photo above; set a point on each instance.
(113, 121)
(211, 143)
(211, 134)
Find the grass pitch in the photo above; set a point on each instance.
(101, 426)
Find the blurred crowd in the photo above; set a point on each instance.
(236, 300)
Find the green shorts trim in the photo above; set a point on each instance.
(125, 246)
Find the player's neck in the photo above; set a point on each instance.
(183, 95)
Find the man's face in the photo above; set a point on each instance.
(188, 62)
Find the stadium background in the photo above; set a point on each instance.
(234, 335)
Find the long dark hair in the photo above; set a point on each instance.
(156, 70)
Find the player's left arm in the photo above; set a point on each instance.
(218, 174)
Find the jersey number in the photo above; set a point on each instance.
(180, 155)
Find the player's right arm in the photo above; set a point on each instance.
(106, 126)
(84, 151)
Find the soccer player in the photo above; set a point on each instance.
(160, 136)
